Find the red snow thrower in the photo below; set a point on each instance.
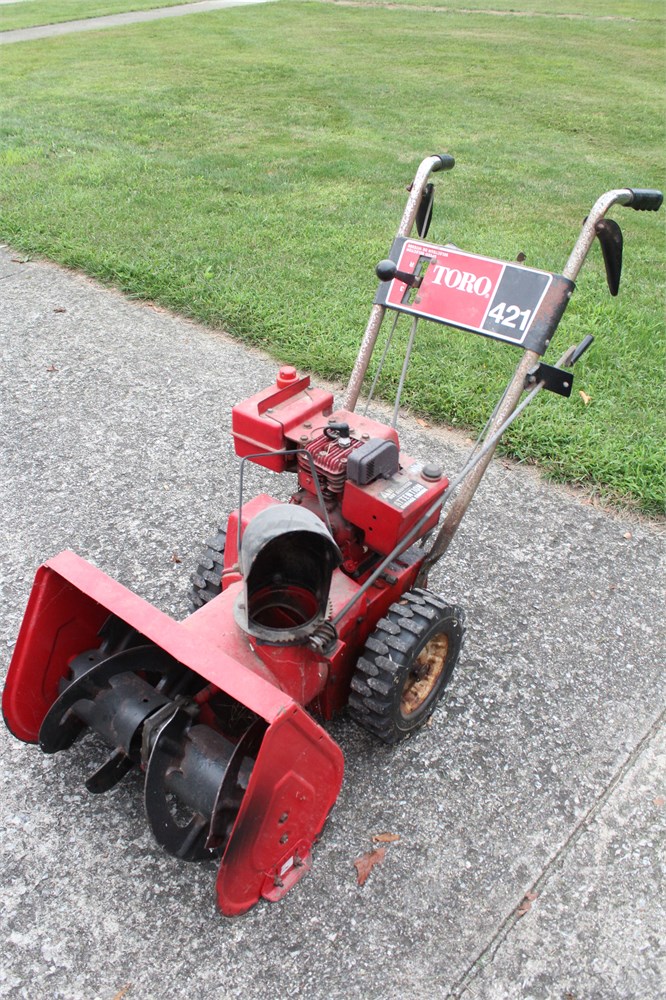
(302, 608)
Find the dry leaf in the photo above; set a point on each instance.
(52, 368)
(59, 309)
(422, 423)
(175, 557)
(367, 862)
(121, 993)
(584, 396)
(526, 904)
(386, 838)
(520, 257)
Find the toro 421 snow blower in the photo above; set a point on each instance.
(300, 608)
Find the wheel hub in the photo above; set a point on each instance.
(422, 680)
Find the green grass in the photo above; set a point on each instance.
(644, 10)
(248, 168)
(29, 13)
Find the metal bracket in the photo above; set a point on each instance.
(554, 379)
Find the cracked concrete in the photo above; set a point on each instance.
(542, 771)
(626, 824)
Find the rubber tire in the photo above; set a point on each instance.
(207, 578)
(391, 651)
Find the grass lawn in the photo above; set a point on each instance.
(248, 168)
(644, 10)
(29, 13)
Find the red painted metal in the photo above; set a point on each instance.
(72, 591)
(385, 512)
(298, 763)
(330, 458)
(291, 768)
(60, 621)
(263, 422)
(293, 787)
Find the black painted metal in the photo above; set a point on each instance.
(113, 770)
(78, 705)
(610, 237)
(554, 379)
(138, 701)
(199, 768)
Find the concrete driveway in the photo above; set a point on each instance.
(114, 20)
(542, 773)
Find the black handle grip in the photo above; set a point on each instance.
(645, 199)
(446, 162)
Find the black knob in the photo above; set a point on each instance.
(385, 270)
(432, 472)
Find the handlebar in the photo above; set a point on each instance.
(645, 199)
(431, 165)
(639, 199)
(446, 162)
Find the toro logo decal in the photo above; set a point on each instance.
(466, 290)
(464, 281)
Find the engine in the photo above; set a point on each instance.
(350, 469)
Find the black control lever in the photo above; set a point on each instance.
(387, 270)
(580, 350)
(610, 238)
